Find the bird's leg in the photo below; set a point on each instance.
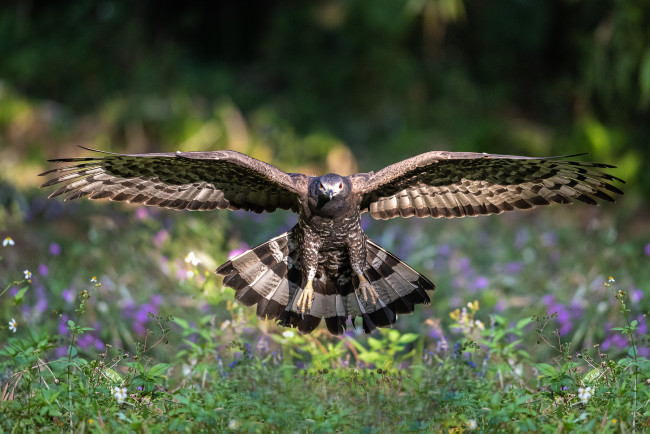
(367, 291)
(357, 249)
(306, 297)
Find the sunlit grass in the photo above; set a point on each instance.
(129, 300)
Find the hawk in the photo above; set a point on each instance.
(326, 266)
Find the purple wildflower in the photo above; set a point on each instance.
(514, 267)
(481, 282)
(141, 213)
(646, 250)
(55, 249)
(238, 251)
(643, 325)
(521, 238)
(63, 324)
(43, 270)
(444, 249)
(564, 317)
(500, 306)
(142, 316)
(464, 264)
(615, 342)
(41, 303)
(160, 237)
(549, 239)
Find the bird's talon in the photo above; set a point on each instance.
(306, 298)
(368, 293)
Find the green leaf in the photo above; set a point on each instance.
(374, 343)
(591, 376)
(182, 323)
(546, 369)
(407, 338)
(18, 298)
(523, 323)
(113, 375)
(136, 365)
(158, 369)
(632, 351)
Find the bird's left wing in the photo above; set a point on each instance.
(181, 180)
(458, 184)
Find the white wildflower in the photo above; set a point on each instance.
(189, 274)
(233, 424)
(12, 325)
(584, 393)
(192, 259)
(28, 274)
(8, 242)
(287, 334)
(94, 279)
(120, 394)
(611, 279)
(471, 425)
(479, 325)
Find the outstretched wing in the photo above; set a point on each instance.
(458, 184)
(182, 180)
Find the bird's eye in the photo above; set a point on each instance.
(320, 185)
(340, 186)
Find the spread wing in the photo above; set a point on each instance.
(458, 184)
(183, 180)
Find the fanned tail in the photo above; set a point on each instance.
(270, 275)
(397, 284)
(261, 276)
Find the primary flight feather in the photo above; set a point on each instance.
(325, 266)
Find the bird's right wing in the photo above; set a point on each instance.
(182, 180)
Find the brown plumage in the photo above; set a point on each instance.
(325, 266)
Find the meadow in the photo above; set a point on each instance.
(113, 320)
(122, 325)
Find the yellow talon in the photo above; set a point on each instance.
(367, 291)
(306, 298)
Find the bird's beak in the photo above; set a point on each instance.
(330, 193)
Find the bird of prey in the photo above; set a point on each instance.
(326, 266)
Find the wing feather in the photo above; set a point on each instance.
(182, 180)
(458, 184)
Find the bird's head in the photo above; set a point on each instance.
(331, 185)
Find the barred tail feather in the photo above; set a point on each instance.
(398, 285)
(388, 270)
(259, 276)
(270, 275)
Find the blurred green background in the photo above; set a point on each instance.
(295, 82)
(318, 86)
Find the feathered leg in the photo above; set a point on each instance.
(358, 262)
(311, 244)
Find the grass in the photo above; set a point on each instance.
(534, 336)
